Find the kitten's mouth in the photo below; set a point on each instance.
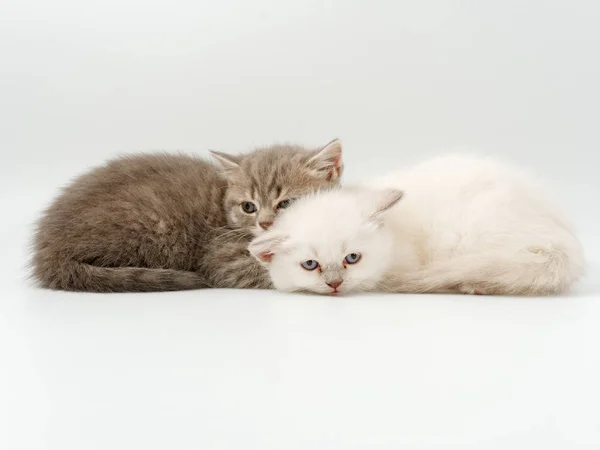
(335, 292)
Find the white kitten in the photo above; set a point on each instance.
(466, 224)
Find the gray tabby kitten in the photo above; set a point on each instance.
(164, 222)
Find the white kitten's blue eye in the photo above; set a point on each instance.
(352, 258)
(311, 264)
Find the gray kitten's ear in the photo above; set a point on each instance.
(228, 163)
(384, 200)
(328, 161)
(265, 246)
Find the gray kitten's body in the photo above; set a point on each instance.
(160, 222)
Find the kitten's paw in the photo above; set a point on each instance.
(470, 289)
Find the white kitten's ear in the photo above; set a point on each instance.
(265, 246)
(328, 161)
(228, 163)
(384, 200)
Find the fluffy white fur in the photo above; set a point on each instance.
(465, 224)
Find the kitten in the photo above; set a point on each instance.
(466, 225)
(161, 222)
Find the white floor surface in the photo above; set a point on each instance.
(263, 370)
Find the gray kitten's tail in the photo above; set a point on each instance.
(77, 276)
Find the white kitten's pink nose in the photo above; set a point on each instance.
(335, 284)
(265, 225)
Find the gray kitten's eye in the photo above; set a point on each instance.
(248, 207)
(284, 203)
(353, 258)
(311, 264)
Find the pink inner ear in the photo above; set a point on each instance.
(334, 169)
(265, 256)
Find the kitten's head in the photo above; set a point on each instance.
(330, 242)
(267, 180)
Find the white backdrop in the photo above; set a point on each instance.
(81, 81)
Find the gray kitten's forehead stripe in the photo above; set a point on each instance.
(256, 188)
(272, 182)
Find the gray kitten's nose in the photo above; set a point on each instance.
(265, 225)
(334, 284)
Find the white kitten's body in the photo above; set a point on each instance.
(465, 224)
(479, 226)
